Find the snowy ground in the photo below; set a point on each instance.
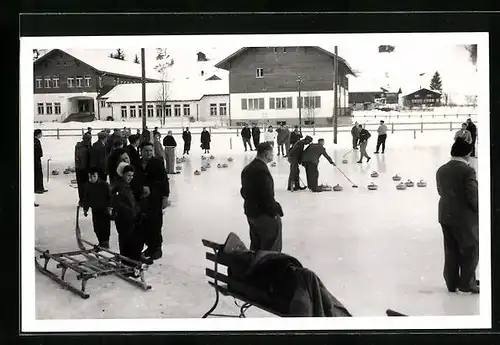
(373, 249)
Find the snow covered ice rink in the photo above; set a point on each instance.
(372, 249)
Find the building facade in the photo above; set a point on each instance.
(67, 85)
(372, 99)
(422, 98)
(264, 84)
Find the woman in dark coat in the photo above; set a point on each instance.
(205, 140)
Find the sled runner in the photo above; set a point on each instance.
(91, 261)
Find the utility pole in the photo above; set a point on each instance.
(335, 98)
(143, 80)
(299, 80)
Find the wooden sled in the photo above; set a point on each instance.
(91, 261)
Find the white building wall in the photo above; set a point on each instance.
(237, 113)
(68, 106)
(115, 110)
(204, 108)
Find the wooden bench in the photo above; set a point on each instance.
(230, 287)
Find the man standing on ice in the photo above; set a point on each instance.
(471, 127)
(364, 135)
(82, 155)
(355, 135)
(246, 135)
(98, 157)
(295, 136)
(464, 134)
(255, 135)
(382, 136)
(458, 216)
(295, 158)
(262, 210)
(186, 136)
(310, 160)
(39, 188)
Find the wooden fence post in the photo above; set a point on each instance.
(451, 126)
(230, 143)
(83, 132)
(58, 133)
(414, 134)
(422, 127)
(392, 127)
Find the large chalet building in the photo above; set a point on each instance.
(264, 87)
(68, 84)
(422, 98)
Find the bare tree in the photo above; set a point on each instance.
(36, 54)
(164, 61)
(119, 54)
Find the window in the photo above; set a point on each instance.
(102, 104)
(40, 108)
(177, 110)
(132, 111)
(48, 106)
(140, 110)
(186, 109)
(55, 82)
(168, 110)
(151, 111)
(259, 73)
(47, 83)
(79, 82)
(39, 82)
(253, 103)
(309, 102)
(159, 110)
(57, 108)
(213, 109)
(280, 103)
(222, 109)
(244, 105)
(124, 111)
(87, 81)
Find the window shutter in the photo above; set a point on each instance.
(306, 102)
(243, 103)
(317, 101)
(289, 102)
(271, 103)
(261, 103)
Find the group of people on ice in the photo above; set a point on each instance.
(282, 136)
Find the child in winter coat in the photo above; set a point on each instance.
(98, 198)
(270, 135)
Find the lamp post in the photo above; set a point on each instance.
(299, 80)
(335, 94)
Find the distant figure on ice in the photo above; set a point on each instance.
(156, 131)
(89, 131)
(471, 127)
(295, 136)
(283, 136)
(295, 158)
(98, 157)
(310, 160)
(364, 135)
(458, 216)
(355, 135)
(39, 188)
(186, 136)
(287, 141)
(98, 198)
(270, 136)
(170, 145)
(262, 210)
(132, 150)
(113, 141)
(146, 136)
(382, 136)
(159, 152)
(246, 135)
(255, 135)
(464, 134)
(82, 160)
(205, 140)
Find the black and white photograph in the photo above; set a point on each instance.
(255, 182)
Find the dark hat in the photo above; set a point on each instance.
(460, 148)
(308, 138)
(102, 135)
(87, 137)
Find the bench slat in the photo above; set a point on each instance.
(211, 244)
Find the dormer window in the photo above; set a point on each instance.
(259, 73)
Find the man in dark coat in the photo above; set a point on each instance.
(98, 157)
(458, 216)
(113, 140)
(186, 136)
(39, 188)
(471, 127)
(364, 135)
(246, 135)
(295, 158)
(310, 160)
(255, 135)
(169, 152)
(146, 135)
(205, 140)
(295, 136)
(132, 150)
(262, 210)
(151, 186)
(82, 160)
(355, 135)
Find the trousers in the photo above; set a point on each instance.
(312, 174)
(265, 233)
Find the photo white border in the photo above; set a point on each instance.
(30, 324)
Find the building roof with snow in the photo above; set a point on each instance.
(177, 90)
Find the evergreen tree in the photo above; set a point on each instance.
(136, 59)
(119, 55)
(436, 83)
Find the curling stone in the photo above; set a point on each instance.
(337, 188)
(421, 183)
(178, 160)
(219, 165)
(325, 188)
(178, 168)
(66, 172)
(372, 186)
(212, 157)
(374, 174)
(203, 168)
(183, 159)
(197, 172)
(409, 183)
(230, 159)
(203, 158)
(224, 165)
(55, 172)
(401, 186)
(396, 178)
(344, 161)
(72, 169)
(273, 164)
(208, 165)
(73, 181)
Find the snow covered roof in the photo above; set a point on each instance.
(100, 60)
(178, 90)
